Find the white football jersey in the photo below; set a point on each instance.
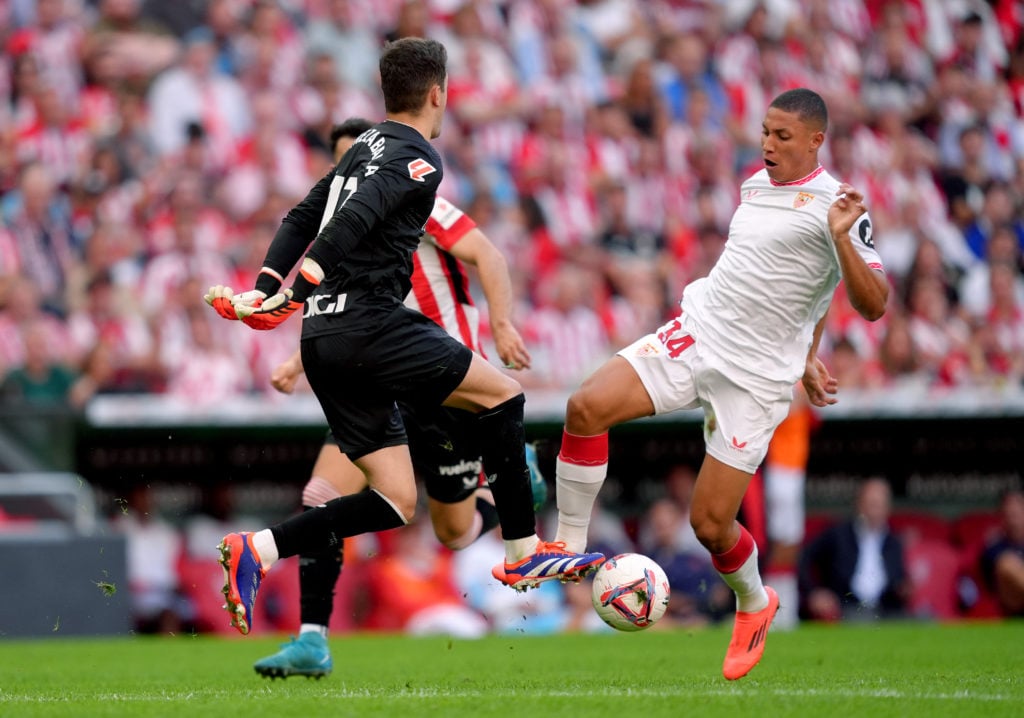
(758, 306)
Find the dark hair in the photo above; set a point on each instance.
(352, 127)
(409, 67)
(806, 104)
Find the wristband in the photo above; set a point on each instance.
(268, 281)
(308, 279)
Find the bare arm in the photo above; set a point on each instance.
(820, 385)
(867, 288)
(286, 373)
(476, 249)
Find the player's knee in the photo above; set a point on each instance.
(404, 503)
(582, 413)
(712, 531)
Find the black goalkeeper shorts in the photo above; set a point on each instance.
(358, 379)
(444, 448)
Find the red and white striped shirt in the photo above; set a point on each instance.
(440, 285)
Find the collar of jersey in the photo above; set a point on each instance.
(803, 180)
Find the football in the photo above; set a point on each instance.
(630, 592)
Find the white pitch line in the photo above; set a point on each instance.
(427, 693)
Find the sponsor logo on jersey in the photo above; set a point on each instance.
(460, 468)
(750, 194)
(737, 444)
(324, 304)
(802, 198)
(420, 168)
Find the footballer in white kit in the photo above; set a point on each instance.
(750, 322)
(746, 333)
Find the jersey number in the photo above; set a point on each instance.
(676, 344)
(338, 185)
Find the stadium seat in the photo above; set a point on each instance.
(201, 582)
(970, 533)
(914, 525)
(933, 567)
(814, 524)
(973, 529)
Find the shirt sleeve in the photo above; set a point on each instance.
(380, 195)
(298, 229)
(862, 234)
(447, 224)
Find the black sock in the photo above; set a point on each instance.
(488, 513)
(501, 447)
(325, 527)
(318, 575)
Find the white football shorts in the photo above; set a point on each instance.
(741, 411)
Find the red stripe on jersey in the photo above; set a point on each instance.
(421, 289)
(446, 237)
(458, 285)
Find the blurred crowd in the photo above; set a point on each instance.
(149, 150)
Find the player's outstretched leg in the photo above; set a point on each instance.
(243, 572)
(550, 560)
(748, 637)
(307, 655)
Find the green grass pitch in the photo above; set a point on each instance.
(854, 670)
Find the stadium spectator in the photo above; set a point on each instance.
(38, 380)
(565, 331)
(855, 569)
(37, 219)
(142, 46)
(154, 546)
(413, 589)
(352, 46)
(193, 92)
(1002, 561)
(975, 287)
(698, 593)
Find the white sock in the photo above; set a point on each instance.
(518, 549)
(577, 487)
(746, 583)
(785, 584)
(313, 628)
(266, 547)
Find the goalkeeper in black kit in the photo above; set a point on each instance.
(362, 348)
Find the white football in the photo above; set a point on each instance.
(630, 592)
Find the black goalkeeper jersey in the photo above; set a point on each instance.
(367, 216)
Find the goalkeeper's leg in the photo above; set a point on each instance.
(333, 475)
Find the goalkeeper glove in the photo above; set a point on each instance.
(224, 302)
(273, 310)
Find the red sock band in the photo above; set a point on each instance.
(731, 560)
(584, 450)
